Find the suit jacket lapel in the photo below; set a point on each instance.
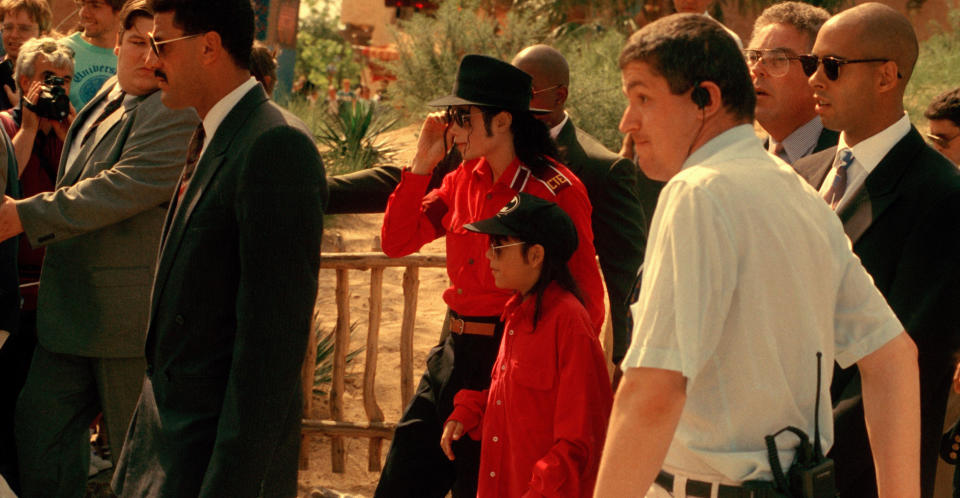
(813, 171)
(72, 170)
(880, 188)
(213, 157)
(569, 148)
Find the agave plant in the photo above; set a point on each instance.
(324, 361)
(352, 137)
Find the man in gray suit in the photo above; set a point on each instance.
(101, 226)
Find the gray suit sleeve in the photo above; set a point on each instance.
(144, 177)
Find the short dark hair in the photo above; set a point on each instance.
(233, 20)
(804, 17)
(131, 11)
(945, 106)
(688, 49)
(263, 65)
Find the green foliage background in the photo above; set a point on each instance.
(937, 70)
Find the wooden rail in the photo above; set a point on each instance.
(375, 428)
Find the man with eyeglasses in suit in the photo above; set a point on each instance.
(785, 107)
(899, 201)
(944, 124)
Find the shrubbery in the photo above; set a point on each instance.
(938, 69)
(431, 47)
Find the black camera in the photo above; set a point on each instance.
(53, 101)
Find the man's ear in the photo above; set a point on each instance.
(888, 76)
(116, 48)
(562, 94)
(502, 121)
(715, 103)
(212, 47)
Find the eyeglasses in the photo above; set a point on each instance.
(776, 60)
(496, 248)
(459, 115)
(547, 89)
(155, 45)
(831, 65)
(19, 28)
(941, 140)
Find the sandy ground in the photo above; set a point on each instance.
(359, 234)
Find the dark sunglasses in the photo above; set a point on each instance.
(155, 45)
(831, 65)
(458, 115)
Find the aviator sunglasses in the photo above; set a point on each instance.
(831, 65)
(155, 45)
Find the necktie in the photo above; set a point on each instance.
(112, 106)
(839, 185)
(193, 155)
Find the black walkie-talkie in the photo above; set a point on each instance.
(812, 475)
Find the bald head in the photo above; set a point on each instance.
(882, 33)
(545, 62)
(551, 77)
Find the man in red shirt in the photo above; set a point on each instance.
(543, 419)
(505, 150)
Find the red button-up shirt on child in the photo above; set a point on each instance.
(469, 194)
(543, 420)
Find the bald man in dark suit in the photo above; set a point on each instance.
(899, 201)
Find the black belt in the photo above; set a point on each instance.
(701, 489)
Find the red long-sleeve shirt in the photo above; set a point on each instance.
(469, 194)
(543, 420)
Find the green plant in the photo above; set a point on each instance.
(351, 140)
(595, 102)
(937, 69)
(431, 47)
(323, 56)
(324, 360)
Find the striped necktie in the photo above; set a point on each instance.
(839, 185)
(111, 107)
(193, 156)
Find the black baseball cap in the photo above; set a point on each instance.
(490, 82)
(532, 220)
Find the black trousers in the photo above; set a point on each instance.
(416, 466)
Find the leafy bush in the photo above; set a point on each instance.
(431, 47)
(937, 70)
(595, 103)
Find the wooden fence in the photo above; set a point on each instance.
(376, 429)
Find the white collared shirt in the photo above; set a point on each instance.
(866, 156)
(555, 131)
(800, 143)
(747, 275)
(219, 111)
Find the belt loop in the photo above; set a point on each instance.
(714, 489)
(679, 486)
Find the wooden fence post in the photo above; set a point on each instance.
(411, 285)
(341, 344)
(374, 414)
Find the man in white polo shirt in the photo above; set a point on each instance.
(748, 278)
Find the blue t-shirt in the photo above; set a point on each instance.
(92, 66)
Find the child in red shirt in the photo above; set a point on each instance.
(542, 421)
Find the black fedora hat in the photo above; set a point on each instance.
(486, 81)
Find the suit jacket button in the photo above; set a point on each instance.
(179, 320)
